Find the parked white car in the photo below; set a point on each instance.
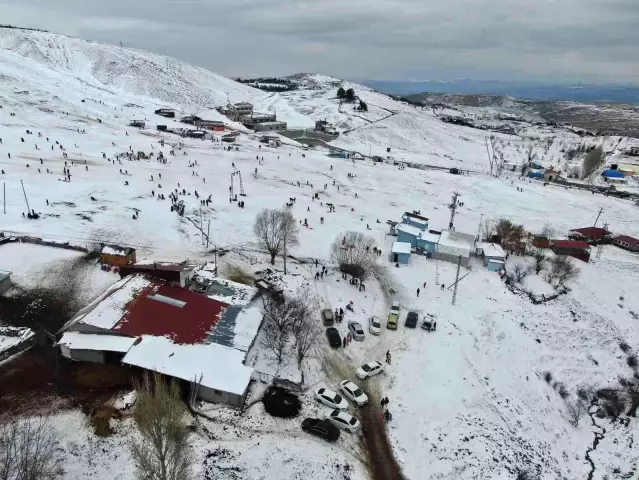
(330, 398)
(370, 369)
(344, 421)
(374, 326)
(353, 392)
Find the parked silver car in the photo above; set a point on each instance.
(356, 330)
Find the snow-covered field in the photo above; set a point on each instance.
(469, 400)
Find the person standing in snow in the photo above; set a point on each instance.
(434, 326)
(388, 357)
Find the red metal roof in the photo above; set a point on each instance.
(164, 310)
(591, 231)
(571, 244)
(628, 240)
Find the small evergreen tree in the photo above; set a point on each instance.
(341, 93)
(350, 95)
(362, 106)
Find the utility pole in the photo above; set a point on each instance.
(599, 215)
(284, 254)
(479, 229)
(490, 161)
(4, 197)
(25, 197)
(437, 272)
(456, 280)
(601, 245)
(453, 210)
(120, 45)
(208, 233)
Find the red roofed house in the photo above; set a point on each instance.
(572, 248)
(626, 242)
(148, 323)
(589, 234)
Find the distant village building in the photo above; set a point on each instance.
(117, 256)
(213, 125)
(14, 340)
(190, 119)
(325, 127)
(626, 242)
(147, 323)
(5, 282)
(137, 123)
(415, 220)
(589, 234)
(236, 111)
(613, 176)
(573, 248)
(165, 112)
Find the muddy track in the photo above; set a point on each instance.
(599, 435)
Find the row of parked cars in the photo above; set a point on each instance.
(339, 419)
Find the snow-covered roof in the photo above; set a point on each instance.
(401, 247)
(431, 237)
(114, 250)
(227, 291)
(109, 308)
(492, 250)
(220, 367)
(10, 336)
(455, 243)
(410, 229)
(247, 324)
(107, 343)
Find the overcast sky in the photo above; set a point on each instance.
(549, 40)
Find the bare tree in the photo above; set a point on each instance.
(163, 452)
(593, 160)
(29, 450)
(548, 231)
(562, 270)
(275, 341)
(576, 410)
(519, 271)
(540, 260)
(307, 338)
(353, 251)
(276, 230)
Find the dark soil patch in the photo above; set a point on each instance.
(41, 382)
(279, 402)
(100, 420)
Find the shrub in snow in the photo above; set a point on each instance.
(562, 270)
(632, 361)
(279, 402)
(548, 377)
(625, 348)
(353, 252)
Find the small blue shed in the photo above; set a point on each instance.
(494, 265)
(536, 175)
(407, 233)
(400, 253)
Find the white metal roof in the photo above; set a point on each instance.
(455, 243)
(401, 247)
(491, 250)
(86, 341)
(219, 367)
(107, 310)
(431, 237)
(110, 250)
(410, 229)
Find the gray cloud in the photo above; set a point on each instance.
(589, 40)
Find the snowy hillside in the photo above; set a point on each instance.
(485, 397)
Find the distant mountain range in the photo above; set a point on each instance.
(585, 93)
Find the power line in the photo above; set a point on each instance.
(456, 280)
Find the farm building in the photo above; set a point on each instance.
(137, 123)
(589, 234)
(5, 282)
(150, 324)
(267, 126)
(572, 248)
(117, 256)
(415, 220)
(540, 241)
(14, 340)
(175, 273)
(614, 176)
(492, 254)
(553, 175)
(536, 175)
(453, 245)
(213, 125)
(624, 241)
(190, 119)
(400, 253)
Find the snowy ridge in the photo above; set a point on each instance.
(130, 71)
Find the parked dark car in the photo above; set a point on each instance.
(334, 339)
(327, 317)
(321, 428)
(411, 320)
